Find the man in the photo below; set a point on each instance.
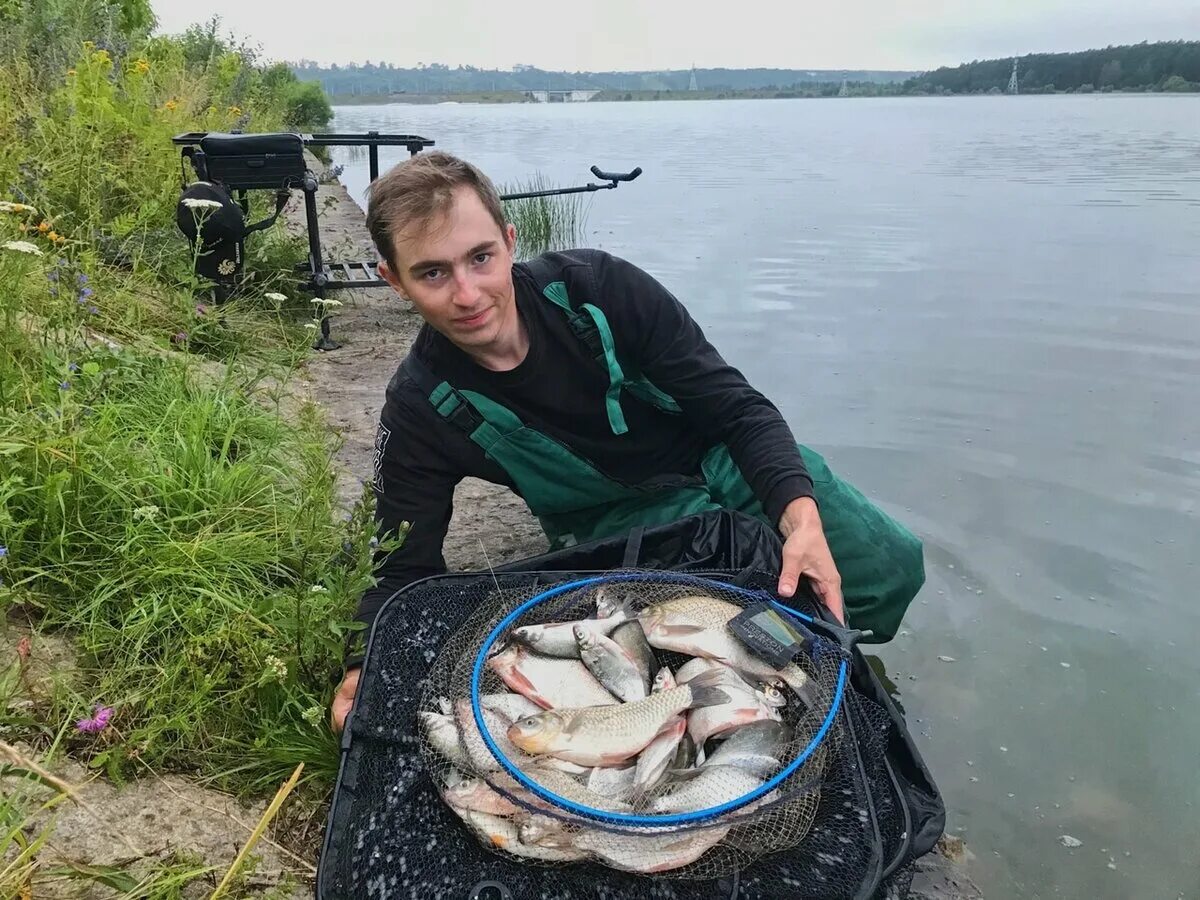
(580, 382)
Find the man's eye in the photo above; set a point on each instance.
(481, 258)
(431, 274)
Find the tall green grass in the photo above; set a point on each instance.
(166, 500)
(544, 223)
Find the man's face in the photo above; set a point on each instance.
(457, 271)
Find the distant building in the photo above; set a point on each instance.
(561, 96)
(692, 86)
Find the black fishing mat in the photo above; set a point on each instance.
(390, 835)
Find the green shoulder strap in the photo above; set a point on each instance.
(590, 326)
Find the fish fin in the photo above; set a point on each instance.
(704, 690)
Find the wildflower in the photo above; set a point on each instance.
(201, 309)
(170, 105)
(89, 45)
(179, 337)
(93, 310)
(98, 721)
(52, 275)
(276, 668)
(55, 238)
(43, 226)
(70, 73)
(146, 512)
(23, 647)
(235, 110)
(3, 552)
(22, 247)
(9, 207)
(200, 203)
(320, 301)
(73, 367)
(142, 66)
(64, 385)
(318, 589)
(312, 325)
(276, 297)
(81, 280)
(314, 716)
(85, 293)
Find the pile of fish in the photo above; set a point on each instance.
(593, 717)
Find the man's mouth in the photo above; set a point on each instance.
(472, 321)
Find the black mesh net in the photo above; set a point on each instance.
(423, 809)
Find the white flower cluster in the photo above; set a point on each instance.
(22, 247)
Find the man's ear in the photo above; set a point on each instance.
(386, 273)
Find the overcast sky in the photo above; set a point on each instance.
(590, 35)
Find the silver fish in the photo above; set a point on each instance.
(548, 682)
(477, 751)
(661, 752)
(698, 626)
(609, 735)
(650, 853)
(510, 706)
(610, 781)
(631, 637)
(474, 794)
(705, 788)
(615, 595)
(746, 705)
(442, 733)
(558, 638)
(758, 748)
(546, 831)
(611, 664)
(504, 835)
(569, 789)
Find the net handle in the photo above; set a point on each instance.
(624, 818)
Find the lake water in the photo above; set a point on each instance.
(986, 313)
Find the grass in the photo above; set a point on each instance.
(544, 223)
(167, 505)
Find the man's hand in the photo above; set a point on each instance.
(344, 699)
(806, 553)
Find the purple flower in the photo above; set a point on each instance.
(93, 310)
(52, 274)
(98, 721)
(3, 552)
(64, 385)
(82, 279)
(74, 367)
(86, 292)
(179, 337)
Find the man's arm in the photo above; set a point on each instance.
(414, 479)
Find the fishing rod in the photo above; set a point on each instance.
(614, 179)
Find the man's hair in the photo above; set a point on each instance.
(419, 189)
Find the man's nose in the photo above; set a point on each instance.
(466, 291)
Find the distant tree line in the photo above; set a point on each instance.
(1164, 66)
(373, 79)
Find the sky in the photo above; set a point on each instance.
(614, 35)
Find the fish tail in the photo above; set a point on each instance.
(705, 691)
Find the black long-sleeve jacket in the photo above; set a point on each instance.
(560, 390)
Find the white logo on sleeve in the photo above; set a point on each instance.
(381, 439)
